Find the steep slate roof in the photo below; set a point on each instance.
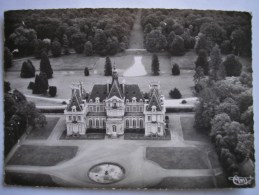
(98, 91)
(76, 100)
(133, 91)
(115, 90)
(154, 100)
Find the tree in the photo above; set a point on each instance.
(199, 74)
(155, 41)
(28, 70)
(100, 42)
(226, 47)
(170, 39)
(88, 48)
(202, 61)
(246, 78)
(215, 33)
(8, 58)
(56, 48)
(108, 67)
(218, 122)
(175, 94)
(175, 69)
(238, 41)
(230, 108)
(52, 91)
(148, 28)
(202, 43)
(155, 65)
(40, 84)
(178, 29)
(45, 65)
(245, 99)
(215, 63)
(78, 41)
(244, 146)
(41, 120)
(113, 45)
(247, 118)
(177, 46)
(188, 41)
(19, 97)
(65, 45)
(31, 85)
(22, 39)
(40, 46)
(86, 71)
(7, 87)
(232, 66)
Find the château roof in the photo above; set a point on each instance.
(98, 91)
(133, 91)
(154, 100)
(76, 100)
(115, 89)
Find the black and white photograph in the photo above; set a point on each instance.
(128, 98)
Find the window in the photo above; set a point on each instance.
(97, 100)
(127, 123)
(74, 118)
(114, 128)
(97, 123)
(70, 118)
(90, 123)
(90, 109)
(154, 118)
(134, 108)
(127, 109)
(141, 109)
(97, 108)
(104, 124)
(153, 108)
(134, 100)
(79, 118)
(127, 100)
(158, 129)
(134, 123)
(141, 123)
(148, 118)
(94, 108)
(73, 109)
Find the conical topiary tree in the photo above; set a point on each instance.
(45, 65)
(28, 70)
(108, 67)
(175, 94)
(175, 70)
(155, 65)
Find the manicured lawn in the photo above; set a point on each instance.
(189, 132)
(177, 158)
(185, 183)
(43, 132)
(42, 155)
(29, 179)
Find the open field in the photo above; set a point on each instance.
(43, 132)
(178, 158)
(64, 79)
(42, 155)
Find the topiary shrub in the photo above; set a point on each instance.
(183, 102)
(64, 103)
(28, 70)
(31, 85)
(175, 94)
(86, 71)
(52, 91)
(175, 70)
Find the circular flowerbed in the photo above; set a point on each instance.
(106, 173)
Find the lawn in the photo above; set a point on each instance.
(185, 183)
(214, 160)
(42, 155)
(177, 158)
(29, 179)
(189, 132)
(64, 79)
(141, 136)
(43, 132)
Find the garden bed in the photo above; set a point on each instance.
(82, 137)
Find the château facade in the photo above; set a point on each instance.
(115, 108)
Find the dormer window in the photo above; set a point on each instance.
(97, 100)
(141, 100)
(73, 109)
(127, 100)
(90, 100)
(134, 99)
(153, 108)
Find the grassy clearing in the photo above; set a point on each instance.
(64, 79)
(29, 179)
(185, 183)
(43, 132)
(42, 155)
(177, 158)
(189, 132)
